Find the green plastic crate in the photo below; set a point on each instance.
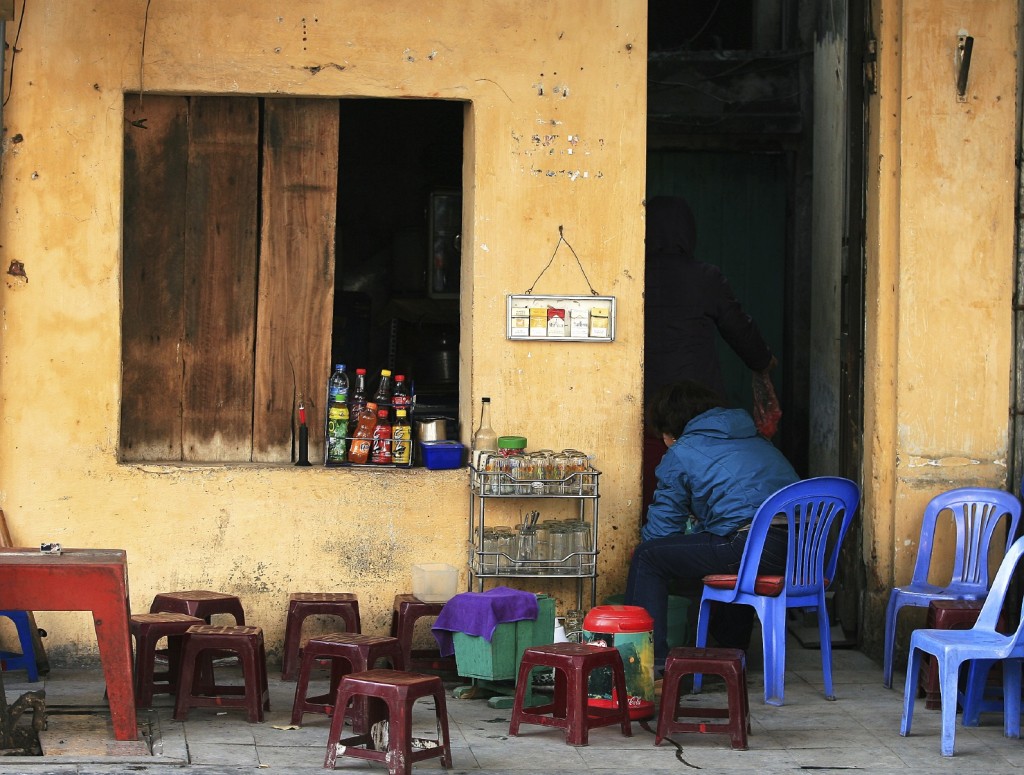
(498, 660)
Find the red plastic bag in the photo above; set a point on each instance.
(767, 411)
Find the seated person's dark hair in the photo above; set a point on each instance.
(673, 406)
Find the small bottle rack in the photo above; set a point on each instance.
(567, 550)
(388, 442)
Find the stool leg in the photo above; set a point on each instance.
(737, 713)
(577, 730)
(400, 735)
(669, 702)
(145, 654)
(341, 701)
(292, 639)
(517, 703)
(619, 674)
(186, 678)
(441, 709)
(302, 688)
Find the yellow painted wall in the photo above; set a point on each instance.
(532, 73)
(940, 270)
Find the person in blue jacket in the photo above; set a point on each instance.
(715, 474)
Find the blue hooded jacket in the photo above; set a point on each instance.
(719, 471)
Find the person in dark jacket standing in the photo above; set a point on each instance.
(687, 305)
(715, 475)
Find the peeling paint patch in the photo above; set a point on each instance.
(17, 269)
(952, 461)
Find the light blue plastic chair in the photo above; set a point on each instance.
(26, 660)
(811, 507)
(976, 513)
(951, 648)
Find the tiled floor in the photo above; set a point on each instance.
(859, 731)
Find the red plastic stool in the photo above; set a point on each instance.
(952, 615)
(195, 690)
(732, 666)
(303, 604)
(569, 709)
(398, 690)
(407, 609)
(199, 602)
(148, 629)
(348, 652)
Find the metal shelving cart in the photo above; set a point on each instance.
(515, 556)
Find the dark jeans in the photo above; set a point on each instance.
(687, 559)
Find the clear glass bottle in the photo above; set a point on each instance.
(485, 439)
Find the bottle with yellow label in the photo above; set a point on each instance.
(401, 439)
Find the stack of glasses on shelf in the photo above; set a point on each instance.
(544, 472)
(551, 547)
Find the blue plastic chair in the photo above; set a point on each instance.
(976, 513)
(26, 660)
(811, 507)
(951, 648)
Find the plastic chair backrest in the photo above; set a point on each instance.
(811, 506)
(993, 606)
(976, 512)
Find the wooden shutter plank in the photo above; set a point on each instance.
(220, 276)
(152, 314)
(296, 279)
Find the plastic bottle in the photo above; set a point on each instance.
(401, 439)
(358, 401)
(485, 439)
(337, 415)
(359, 451)
(380, 451)
(400, 397)
(383, 394)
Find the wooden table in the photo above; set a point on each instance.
(93, 580)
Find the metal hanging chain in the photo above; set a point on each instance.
(561, 239)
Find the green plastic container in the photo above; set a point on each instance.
(498, 660)
(678, 617)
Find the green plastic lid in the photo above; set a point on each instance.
(511, 442)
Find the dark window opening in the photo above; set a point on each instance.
(265, 240)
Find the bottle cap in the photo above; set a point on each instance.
(486, 399)
(399, 378)
(339, 367)
(511, 442)
(385, 372)
(360, 371)
(400, 413)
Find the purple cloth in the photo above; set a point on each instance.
(480, 613)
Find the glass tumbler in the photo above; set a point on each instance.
(583, 560)
(505, 544)
(561, 549)
(489, 558)
(526, 550)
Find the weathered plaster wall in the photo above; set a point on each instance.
(554, 136)
(941, 183)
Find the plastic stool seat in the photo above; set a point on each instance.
(304, 604)
(569, 709)
(406, 611)
(199, 602)
(728, 663)
(147, 630)
(26, 660)
(348, 652)
(197, 687)
(396, 690)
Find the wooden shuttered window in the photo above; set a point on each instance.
(228, 275)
